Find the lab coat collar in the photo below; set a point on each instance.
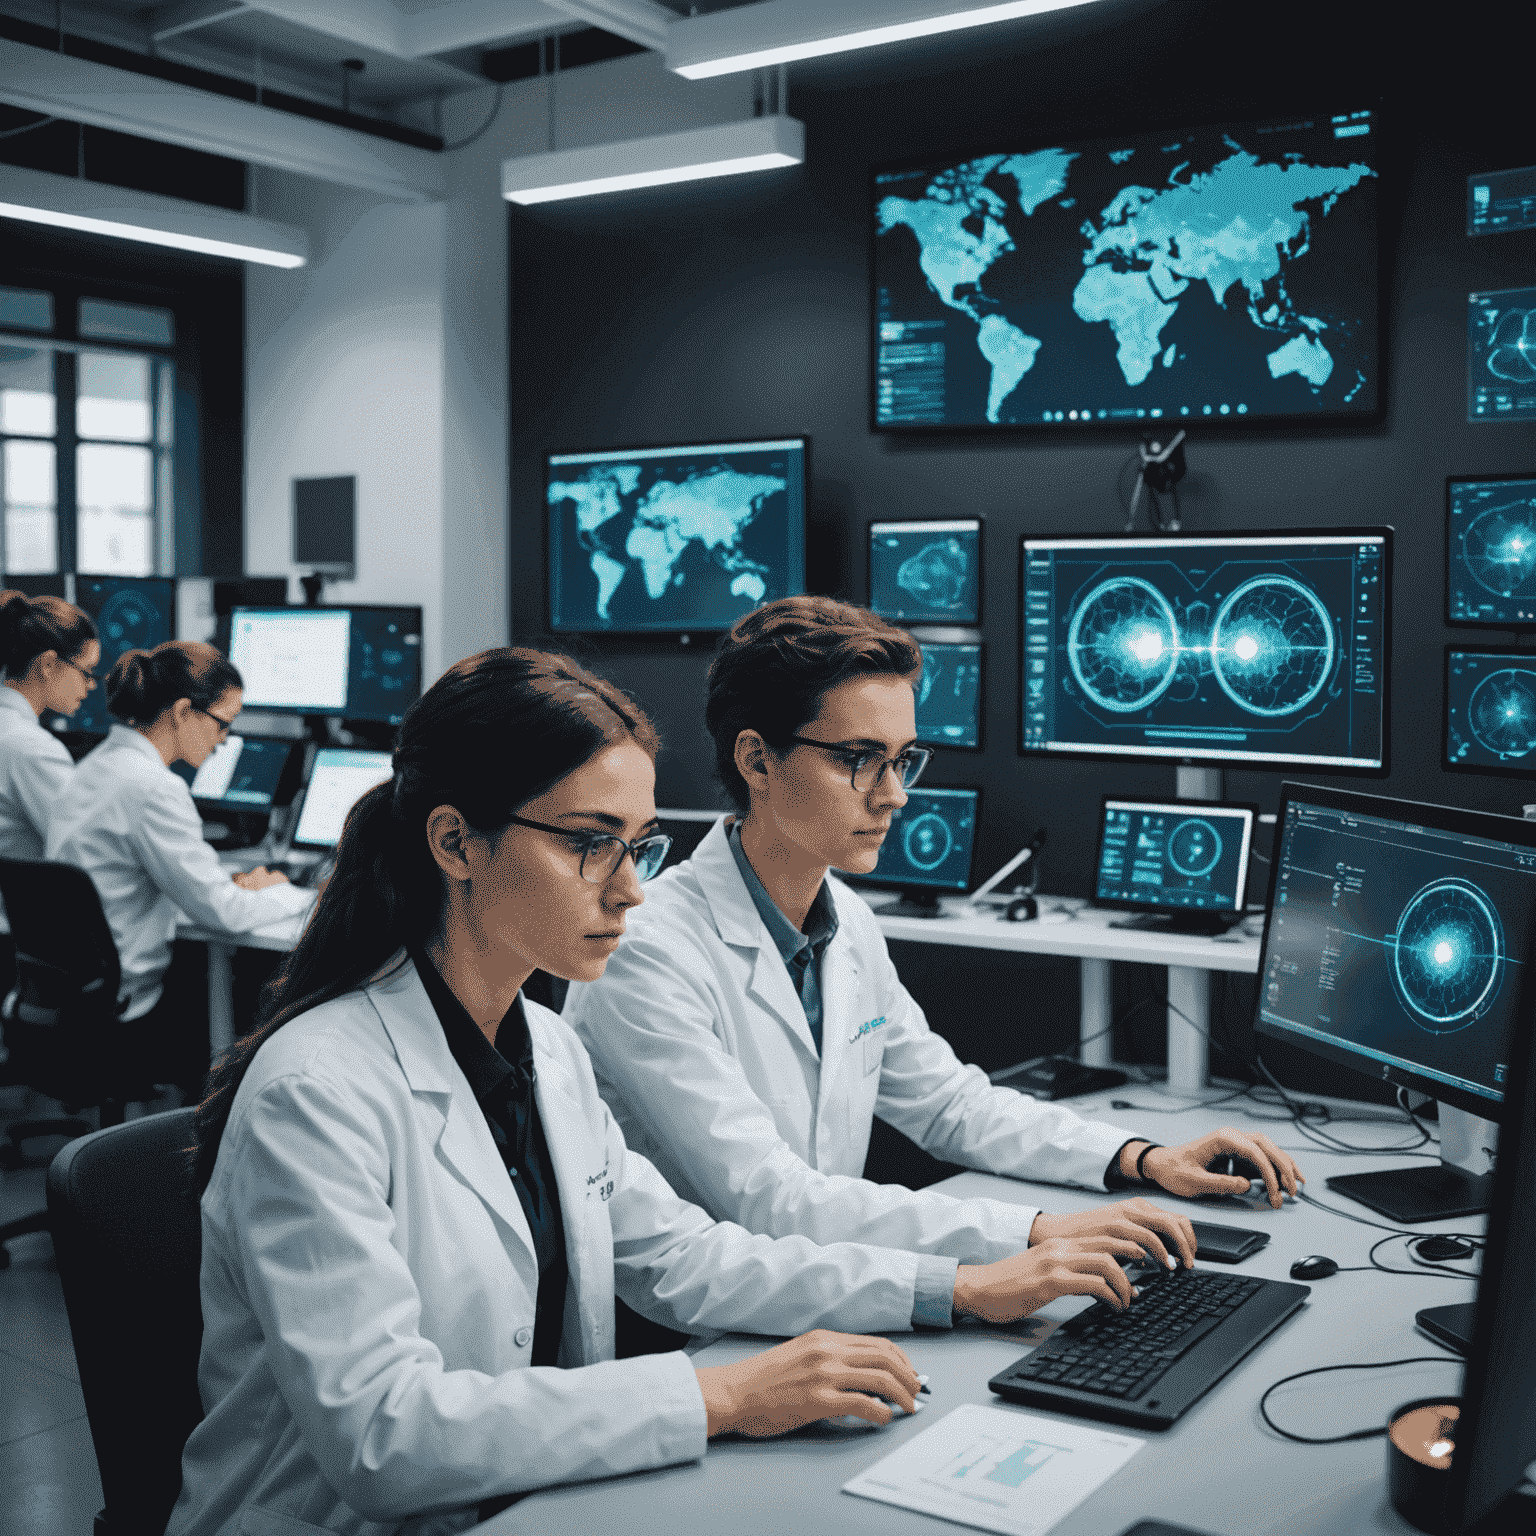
(11, 699)
(135, 741)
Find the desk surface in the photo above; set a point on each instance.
(1218, 1469)
(280, 936)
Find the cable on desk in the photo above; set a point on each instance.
(1428, 1266)
(1362, 1365)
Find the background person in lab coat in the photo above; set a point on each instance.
(416, 1207)
(752, 1024)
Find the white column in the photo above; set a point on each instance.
(1189, 1028)
(1094, 1014)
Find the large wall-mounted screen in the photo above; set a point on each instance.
(1213, 274)
(1263, 648)
(1490, 555)
(673, 539)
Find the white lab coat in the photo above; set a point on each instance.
(129, 822)
(369, 1279)
(34, 768)
(702, 1050)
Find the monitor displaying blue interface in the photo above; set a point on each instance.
(1174, 856)
(673, 539)
(361, 663)
(1490, 711)
(243, 773)
(926, 573)
(1499, 202)
(1501, 337)
(1219, 274)
(949, 696)
(1490, 556)
(130, 613)
(1398, 939)
(932, 842)
(338, 779)
(1261, 648)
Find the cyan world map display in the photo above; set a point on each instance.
(1197, 275)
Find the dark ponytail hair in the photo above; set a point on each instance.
(144, 684)
(31, 626)
(494, 732)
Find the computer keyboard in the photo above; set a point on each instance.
(1146, 1365)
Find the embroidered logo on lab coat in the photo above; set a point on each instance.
(866, 1028)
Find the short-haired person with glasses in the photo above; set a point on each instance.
(752, 1024)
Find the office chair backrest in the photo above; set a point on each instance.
(65, 955)
(128, 1237)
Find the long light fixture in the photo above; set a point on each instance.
(728, 149)
(39, 197)
(781, 31)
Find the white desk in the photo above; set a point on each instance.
(1085, 934)
(1218, 1469)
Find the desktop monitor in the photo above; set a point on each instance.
(949, 696)
(1224, 648)
(1178, 865)
(1490, 711)
(926, 572)
(930, 850)
(673, 540)
(338, 779)
(247, 773)
(1490, 552)
(130, 613)
(1397, 942)
(35, 586)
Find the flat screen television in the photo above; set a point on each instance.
(673, 539)
(1217, 275)
(949, 697)
(1490, 552)
(1490, 711)
(1223, 648)
(926, 572)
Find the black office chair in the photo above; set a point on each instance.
(128, 1238)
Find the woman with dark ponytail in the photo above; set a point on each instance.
(416, 1209)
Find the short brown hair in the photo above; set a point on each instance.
(776, 665)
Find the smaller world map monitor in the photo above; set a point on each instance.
(673, 539)
(1490, 556)
(1490, 710)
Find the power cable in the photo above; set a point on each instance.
(484, 128)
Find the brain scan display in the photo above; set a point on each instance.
(931, 841)
(1490, 711)
(926, 573)
(1238, 649)
(1491, 551)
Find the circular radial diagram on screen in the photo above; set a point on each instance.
(1499, 548)
(1194, 848)
(927, 842)
(1502, 712)
(1272, 646)
(1123, 644)
(1447, 955)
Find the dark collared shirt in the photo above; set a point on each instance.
(501, 1077)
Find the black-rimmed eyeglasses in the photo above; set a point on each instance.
(225, 726)
(90, 677)
(603, 852)
(867, 769)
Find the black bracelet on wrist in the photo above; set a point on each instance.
(1151, 1146)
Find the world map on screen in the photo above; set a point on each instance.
(1198, 273)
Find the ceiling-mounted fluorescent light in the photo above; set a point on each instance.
(781, 31)
(39, 197)
(728, 149)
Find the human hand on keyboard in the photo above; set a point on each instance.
(1061, 1266)
(1163, 1235)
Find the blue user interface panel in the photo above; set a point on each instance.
(339, 778)
(926, 573)
(949, 696)
(1501, 201)
(1172, 857)
(1216, 274)
(1490, 558)
(130, 613)
(1501, 355)
(932, 841)
(243, 773)
(1396, 947)
(1490, 711)
(673, 539)
(1262, 649)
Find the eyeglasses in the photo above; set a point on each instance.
(225, 726)
(867, 769)
(602, 852)
(90, 677)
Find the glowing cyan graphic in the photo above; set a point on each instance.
(935, 576)
(1499, 548)
(1194, 848)
(1447, 956)
(1272, 645)
(1502, 713)
(927, 841)
(1123, 644)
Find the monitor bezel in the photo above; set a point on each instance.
(981, 699)
(1267, 763)
(303, 800)
(551, 628)
(1485, 824)
(277, 803)
(1245, 807)
(1508, 626)
(873, 882)
(940, 623)
(1525, 653)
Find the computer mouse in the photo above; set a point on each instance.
(1231, 1165)
(1314, 1268)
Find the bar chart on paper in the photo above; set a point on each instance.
(997, 1469)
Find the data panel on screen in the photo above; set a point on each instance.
(1224, 273)
(1499, 202)
(337, 781)
(673, 539)
(1262, 649)
(1399, 946)
(1501, 355)
(1171, 857)
(130, 613)
(949, 696)
(932, 841)
(926, 572)
(243, 773)
(1490, 710)
(1490, 558)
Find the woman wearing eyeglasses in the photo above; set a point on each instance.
(752, 1025)
(130, 823)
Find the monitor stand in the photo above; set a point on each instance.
(1443, 1191)
(1207, 923)
(913, 903)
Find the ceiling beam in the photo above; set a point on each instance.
(641, 21)
(183, 16)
